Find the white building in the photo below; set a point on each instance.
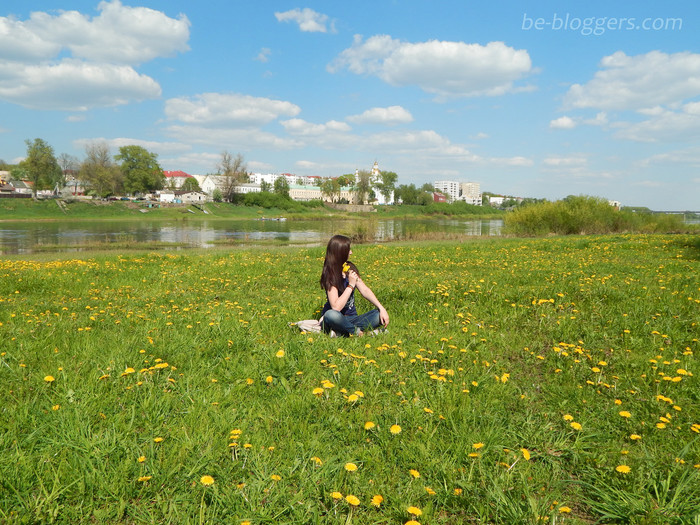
(470, 192)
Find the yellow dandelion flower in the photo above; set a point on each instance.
(144, 478)
(526, 453)
(49, 379)
(377, 500)
(275, 477)
(576, 426)
(477, 446)
(141, 459)
(458, 492)
(430, 491)
(352, 398)
(624, 413)
(414, 473)
(568, 417)
(206, 480)
(346, 267)
(622, 469)
(352, 500)
(269, 379)
(661, 426)
(280, 353)
(249, 381)
(369, 425)
(473, 454)
(317, 460)
(564, 509)
(336, 495)
(245, 522)
(395, 429)
(317, 391)
(635, 437)
(412, 522)
(56, 407)
(157, 440)
(414, 511)
(350, 467)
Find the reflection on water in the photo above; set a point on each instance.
(24, 237)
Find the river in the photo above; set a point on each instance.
(35, 237)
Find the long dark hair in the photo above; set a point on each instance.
(337, 253)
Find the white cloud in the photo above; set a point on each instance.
(73, 85)
(118, 35)
(565, 162)
(70, 61)
(638, 82)
(308, 20)
(297, 126)
(562, 123)
(242, 138)
(214, 109)
(153, 146)
(664, 125)
(264, 55)
(439, 67)
(389, 115)
(480, 136)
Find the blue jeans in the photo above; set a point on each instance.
(344, 325)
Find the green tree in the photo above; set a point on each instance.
(41, 166)
(281, 186)
(232, 172)
(191, 184)
(363, 185)
(346, 180)
(330, 188)
(99, 171)
(387, 184)
(140, 168)
(265, 186)
(216, 195)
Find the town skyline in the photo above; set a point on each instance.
(533, 99)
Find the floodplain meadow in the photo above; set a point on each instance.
(520, 381)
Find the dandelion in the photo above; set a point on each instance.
(414, 473)
(661, 426)
(280, 353)
(414, 511)
(564, 509)
(635, 437)
(568, 417)
(352, 398)
(56, 407)
(526, 453)
(336, 495)
(317, 460)
(412, 522)
(206, 481)
(346, 267)
(626, 414)
(477, 446)
(377, 500)
(395, 429)
(350, 467)
(49, 379)
(317, 391)
(158, 440)
(430, 491)
(249, 381)
(369, 425)
(576, 426)
(141, 459)
(143, 479)
(622, 469)
(458, 492)
(268, 379)
(275, 477)
(352, 500)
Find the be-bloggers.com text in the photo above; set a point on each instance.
(598, 25)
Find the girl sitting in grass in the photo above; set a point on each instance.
(339, 279)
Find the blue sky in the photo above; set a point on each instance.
(534, 99)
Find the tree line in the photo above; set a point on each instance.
(134, 170)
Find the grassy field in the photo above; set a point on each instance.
(521, 381)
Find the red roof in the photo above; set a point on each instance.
(177, 174)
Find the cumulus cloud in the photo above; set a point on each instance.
(439, 67)
(562, 123)
(565, 162)
(154, 146)
(390, 115)
(637, 82)
(223, 137)
(264, 55)
(299, 126)
(70, 61)
(214, 109)
(307, 19)
(664, 125)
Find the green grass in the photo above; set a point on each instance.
(495, 347)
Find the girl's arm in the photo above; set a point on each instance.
(338, 302)
(369, 295)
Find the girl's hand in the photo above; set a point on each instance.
(352, 278)
(384, 316)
